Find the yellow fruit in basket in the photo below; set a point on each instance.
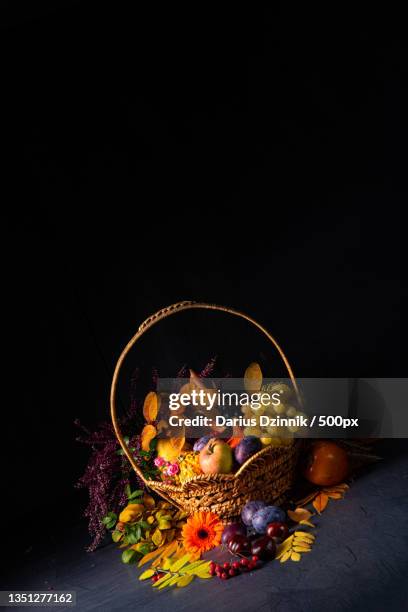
(266, 441)
(291, 411)
(246, 410)
(284, 391)
(253, 377)
(252, 431)
(280, 408)
(170, 448)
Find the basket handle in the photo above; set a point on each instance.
(159, 316)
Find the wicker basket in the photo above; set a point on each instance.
(266, 476)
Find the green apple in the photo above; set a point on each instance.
(216, 457)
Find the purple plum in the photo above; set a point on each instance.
(264, 516)
(200, 443)
(246, 448)
(249, 510)
(231, 531)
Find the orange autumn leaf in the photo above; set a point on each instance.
(151, 555)
(333, 494)
(149, 432)
(299, 514)
(320, 502)
(150, 407)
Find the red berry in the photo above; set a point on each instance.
(224, 576)
(213, 565)
(255, 558)
(244, 561)
(251, 565)
(232, 572)
(236, 565)
(212, 571)
(218, 567)
(226, 566)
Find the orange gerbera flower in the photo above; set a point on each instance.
(202, 532)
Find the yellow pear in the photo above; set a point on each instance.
(169, 448)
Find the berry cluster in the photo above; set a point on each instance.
(229, 570)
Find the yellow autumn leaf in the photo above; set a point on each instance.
(157, 537)
(146, 574)
(163, 581)
(170, 533)
(150, 407)
(149, 556)
(166, 563)
(304, 534)
(295, 556)
(185, 580)
(299, 514)
(180, 563)
(253, 377)
(301, 549)
(148, 501)
(285, 556)
(163, 524)
(148, 434)
(192, 567)
(308, 523)
(284, 546)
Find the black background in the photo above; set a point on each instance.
(248, 158)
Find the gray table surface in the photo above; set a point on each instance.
(359, 562)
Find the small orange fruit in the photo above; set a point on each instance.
(327, 464)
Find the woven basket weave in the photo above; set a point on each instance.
(266, 476)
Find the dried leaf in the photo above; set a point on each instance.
(284, 546)
(146, 574)
(253, 377)
(320, 502)
(299, 514)
(185, 580)
(150, 407)
(301, 548)
(295, 556)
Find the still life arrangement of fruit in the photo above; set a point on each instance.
(177, 546)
